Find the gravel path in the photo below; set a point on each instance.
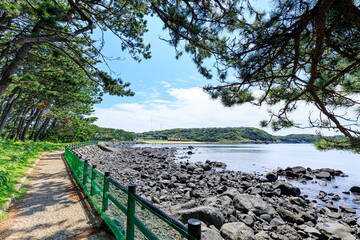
(53, 208)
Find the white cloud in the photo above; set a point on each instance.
(154, 93)
(191, 108)
(166, 84)
(157, 101)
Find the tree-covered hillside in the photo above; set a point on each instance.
(299, 138)
(242, 134)
(111, 134)
(87, 132)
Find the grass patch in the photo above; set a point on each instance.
(3, 215)
(15, 159)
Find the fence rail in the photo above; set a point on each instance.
(127, 214)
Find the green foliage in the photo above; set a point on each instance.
(241, 135)
(4, 178)
(293, 53)
(56, 100)
(99, 133)
(299, 138)
(336, 142)
(48, 75)
(16, 158)
(82, 130)
(30, 29)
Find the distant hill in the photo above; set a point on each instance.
(299, 138)
(106, 134)
(241, 134)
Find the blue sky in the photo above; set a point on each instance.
(168, 93)
(149, 77)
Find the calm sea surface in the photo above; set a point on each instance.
(261, 158)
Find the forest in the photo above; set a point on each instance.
(233, 134)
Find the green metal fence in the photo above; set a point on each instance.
(127, 214)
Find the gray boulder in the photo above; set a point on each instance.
(237, 231)
(289, 216)
(287, 188)
(310, 230)
(355, 189)
(346, 209)
(308, 177)
(206, 214)
(323, 175)
(288, 232)
(335, 229)
(231, 192)
(321, 195)
(298, 201)
(334, 215)
(210, 234)
(185, 206)
(247, 219)
(356, 200)
(262, 236)
(329, 170)
(246, 202)
(331, 207)
(223, 201)
(299, 169)
(275, 222)
(271, 176)
(210, 201)
(191, 167)
(291, 174)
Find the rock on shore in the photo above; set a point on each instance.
(233, 205)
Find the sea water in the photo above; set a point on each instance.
(261, 158)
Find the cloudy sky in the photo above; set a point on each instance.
(168, 94)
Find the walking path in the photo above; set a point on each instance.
(53, 208)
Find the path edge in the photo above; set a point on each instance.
(28, 172)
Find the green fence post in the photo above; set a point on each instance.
(93, 176)
(105, 192)
(130, 213)
(85, 174)
(79, 162)
(76, 165)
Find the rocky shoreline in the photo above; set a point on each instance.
(233, 205)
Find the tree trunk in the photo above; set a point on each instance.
(11, 134)
(21, 123)
(18, 60)
(13, 67)
(14, 119)
(7, 110)
(42, 128)
(36, 125)
(52, 126)
(27, 125)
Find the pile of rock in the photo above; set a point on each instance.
(233, 205)
(323, 174)
(308, 173)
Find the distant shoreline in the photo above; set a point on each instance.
(189, 142)
(174, 142)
